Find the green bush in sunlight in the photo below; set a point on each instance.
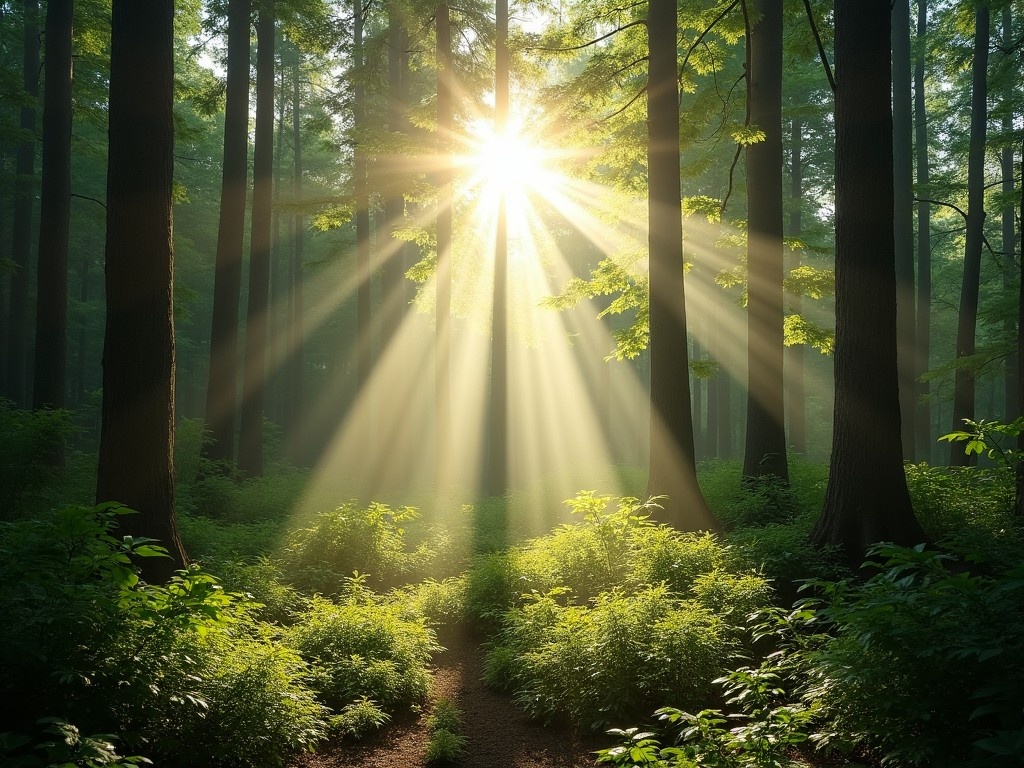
(599, 619)
(369, 540)
(364, 647)
(172, 671)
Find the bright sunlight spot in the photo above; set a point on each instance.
(506, 162)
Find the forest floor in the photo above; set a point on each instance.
(498, 734)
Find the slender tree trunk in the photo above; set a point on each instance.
(903, 217)
(221, 390)
(393, 271)
(83, 297)
(50, 377)
(1020, 357)
(967, 321)
(497, 455)
(137, 434)
(765, 450)
(672, 471)
(866, 499)
(254, 372)
(796, 407)
(442, 285)
(697, 385)
(725, 415)
(364, 349)
(296, 327)
(1011, 405)
(21, 227)
(922, 340)
(280, 271)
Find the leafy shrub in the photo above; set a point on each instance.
(359, 718)
(261, 581)
(217, 542)
(927, 663)
(784, 553)
(446, 744)
(368, 540)
(663, 554)
(172, 671)
(364, 648)
(441, 603)
(29, 437)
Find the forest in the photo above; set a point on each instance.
(511, 383)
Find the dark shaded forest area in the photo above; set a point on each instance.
(532, 385)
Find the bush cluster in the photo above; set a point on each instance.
(597, 620)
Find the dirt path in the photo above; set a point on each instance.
(498, 734)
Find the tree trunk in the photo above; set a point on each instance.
(221, 390)
(21, 227)
(393, 269)
(672, 472)
(922, 341)
(50, 376)
(137, 433)
(497, 454)
(866, 499)
(296, 325)
(765, 450)
(1011, 405)
(364, 347)
(903, 217)
(967, 321)
(442, 284)
(796, 408)
(254, 373)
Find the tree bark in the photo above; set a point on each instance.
(21, 226)
(967, 321)
(50, 376)
(254, 373)
(221, 390)
(1011, 405)
(296, 325)
(497, 454)
(866, 499)
(137, 433)
(672, 471)
(765, 449)
(903, 217)
(922, 338)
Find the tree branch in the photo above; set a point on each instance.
(821, 48)
(595, 41)
(90, 199)
(626, 106)
(702, 35)
(732, 171)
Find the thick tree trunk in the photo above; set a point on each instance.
(137, 434)
(442, 284)
(21, 227)
(221, 390)
(765, 450)
(922, 340)
(866, 499)
(967, 321)
(672, 472)
(254, 372)
(903, 217)
(796, 408)
(50, 377)
(497, 454)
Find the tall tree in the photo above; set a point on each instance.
(443, 222)
(922, 339)
(497, 453)
(672, 471)
(223, 372)
(967, 319)
(393, 272)
(296, 323)
(765, 450)
(250, 436)
(21, 226)
(866, 423)
(903, 217)
(137, 433)
(50, 370)
(364, 342)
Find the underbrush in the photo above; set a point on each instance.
(186, 669)
(598, 619)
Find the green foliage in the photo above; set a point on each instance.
(445, 747)
(363, 648)
(926, 662)
(61, 744)
(171, 671)
(446, 716)
(29, 436)
(359, 718)
(440, 603)
(989, 437)
(262, 582)
(369, 540)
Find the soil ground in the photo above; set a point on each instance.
(498, 734)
